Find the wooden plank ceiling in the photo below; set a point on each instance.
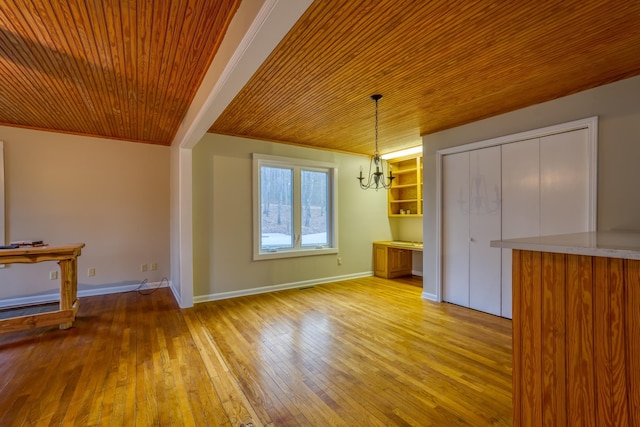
(439, 64)
(113, 68)
(130, 69)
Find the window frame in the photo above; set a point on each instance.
(297, 165)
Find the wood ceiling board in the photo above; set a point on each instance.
(439, 64)
(117, 69)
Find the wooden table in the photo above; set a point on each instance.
(67, 257)
(576, 329)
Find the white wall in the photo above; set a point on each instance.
(409, 229)
(618, 109)
(222, 202)
(2, 241)
(111, 195)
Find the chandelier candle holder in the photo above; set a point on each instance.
(376, 178)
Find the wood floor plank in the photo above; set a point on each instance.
(235, 408)
(368, 351)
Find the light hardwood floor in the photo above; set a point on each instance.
(365, 352)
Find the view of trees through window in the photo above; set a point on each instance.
(315, 186)
(276, 206)
(278, 203)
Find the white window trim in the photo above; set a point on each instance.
(261, 159)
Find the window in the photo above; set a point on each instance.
(294, 207)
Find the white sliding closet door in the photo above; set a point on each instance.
(545, 190)
(455, 226)
(471, 219)
(484, 226)
(535, 183)
(520, 203)
(564, 183)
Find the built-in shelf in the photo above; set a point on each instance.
(403, 201)
(405, 194)
(403, 171)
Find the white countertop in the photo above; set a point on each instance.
(610, 244)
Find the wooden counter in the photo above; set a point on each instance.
(393, 258)
(67, 257)
(576, 329)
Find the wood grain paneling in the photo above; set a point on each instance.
(517, 334)
(553, 350)
(610, 352)
(129, 70)
(439, 64)
(632, 333)
(531, 324)
(579, 340)
(589, 340)
(118, 69)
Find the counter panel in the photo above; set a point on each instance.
(576, 340)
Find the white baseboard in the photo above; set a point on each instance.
(426, 295)
(430, 296)
(176, 294)
(281, 287)
(55, 296)
(125, 288)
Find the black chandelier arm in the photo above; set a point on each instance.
(376, 179)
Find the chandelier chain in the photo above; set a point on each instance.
(376, 126)
(376, 178)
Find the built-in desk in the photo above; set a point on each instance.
(393, 258)
(576, 329)
(67, 258)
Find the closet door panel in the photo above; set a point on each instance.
(564, 183)
(484, 226)
(521, 189)
(455, 228)
(520, 203)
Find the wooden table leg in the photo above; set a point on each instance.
(68, 288)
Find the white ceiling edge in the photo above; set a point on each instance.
(255, 30)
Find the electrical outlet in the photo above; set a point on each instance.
(153, 266)
(339, 261)
(143, 267)
(53, 275)
(91, 272)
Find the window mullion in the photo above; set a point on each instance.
(297, 207)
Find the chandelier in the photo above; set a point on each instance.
(376, 179)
